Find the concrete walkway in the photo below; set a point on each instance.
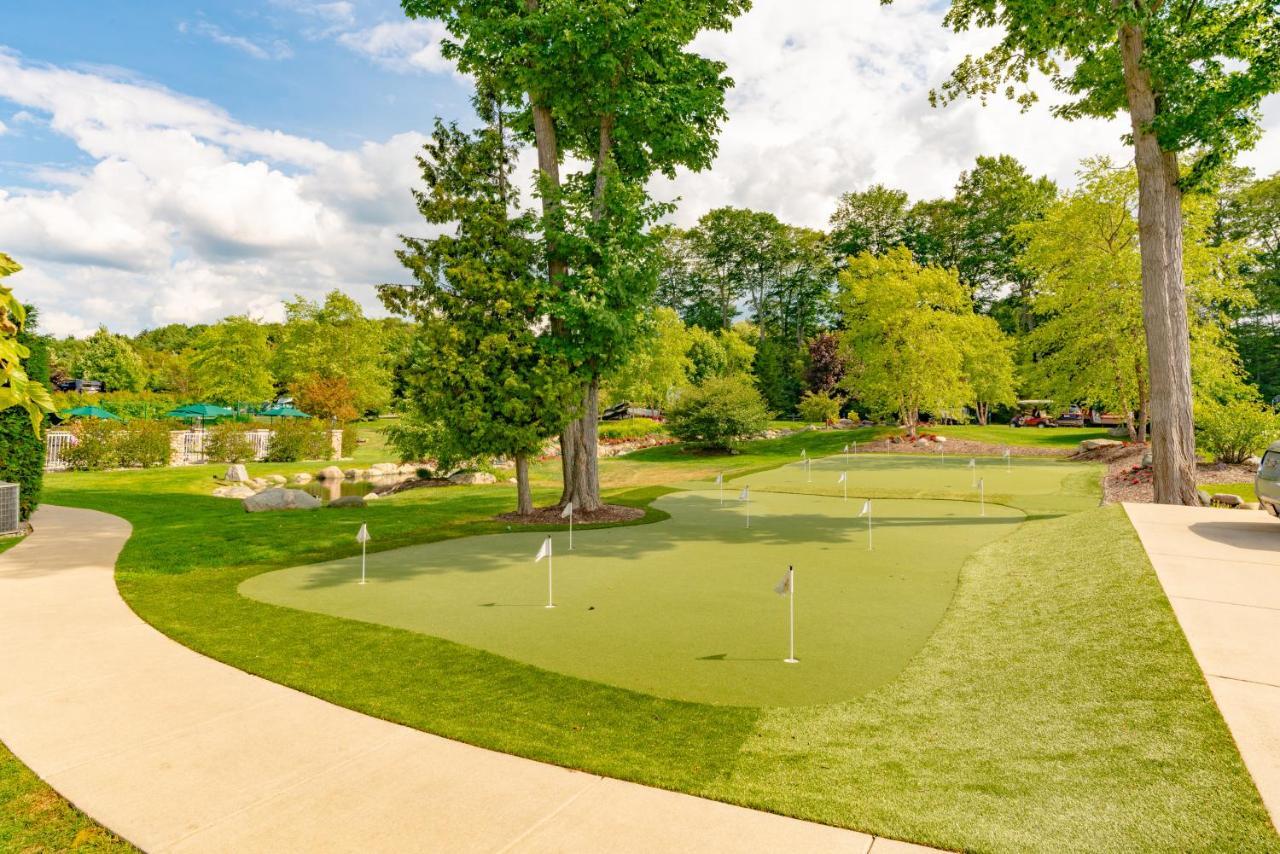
(176, 752)
(1221, 571)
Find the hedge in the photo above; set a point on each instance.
(21, 450)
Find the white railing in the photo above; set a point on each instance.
(55, 441)
(259, 439)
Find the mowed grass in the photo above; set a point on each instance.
(1056, 707)
(36, 819)
(1065, 438)
(685, 608)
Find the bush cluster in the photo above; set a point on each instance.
(819, 407)
(296, 439)
(719, 413)
(1232, 432)
(98, 445)
(21, 450)
(350, 439)
(227, 442)
(631, 428)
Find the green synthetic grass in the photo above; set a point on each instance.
(684, 608)
(1056, 707)
(35, 819)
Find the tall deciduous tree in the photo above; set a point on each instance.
(611, 82)
(873, 220)
(1190, 75)
(231, 362)
(1087, 346)
(112, 360)
(1251, 213)
(659, 366)
(333, 340)
(905, 335)
(481, 365)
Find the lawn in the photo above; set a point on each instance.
(7, 543)
(1054, 706)
(1066, 438)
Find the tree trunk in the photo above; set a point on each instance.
(1164, 299)
(524, 492)
(1143, 407)
(982, 410)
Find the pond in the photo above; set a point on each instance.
(328, 490)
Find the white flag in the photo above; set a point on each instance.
(567, 512)
(720, 479)
(783, 587)
(363, 535)
(545, 551)
(866, 508)
(973, 464)
(745, 494)
(846, 449)
(802, 454)
(843, 475)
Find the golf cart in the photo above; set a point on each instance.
(1033, 413)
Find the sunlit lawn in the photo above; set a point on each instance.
(1055, 707)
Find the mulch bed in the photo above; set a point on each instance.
(612, 513)
(1127, 480)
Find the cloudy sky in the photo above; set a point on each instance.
(182, 162)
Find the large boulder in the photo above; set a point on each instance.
(384, 468)
(281, 499)
(347, 501)
(330, 473)
(236, 473)
(277, 479)
(1226, 499)
(407, 468)
(1095, 444)
(355, 474)
(470, 478)
(233, 491)
(302, 477)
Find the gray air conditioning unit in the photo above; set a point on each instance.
(8, 507)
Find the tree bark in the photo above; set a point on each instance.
(1164, 299)
(524, 492)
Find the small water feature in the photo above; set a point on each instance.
(328, 490)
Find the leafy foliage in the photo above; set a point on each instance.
(719, 413)
(112, 360)
(227, 442)
(658, 367)
(1236, 430)
(335, 341)
(231, 363)
(294, 439)
(16, 387)
(326, 397)
(819, 407)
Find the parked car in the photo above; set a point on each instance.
(1267, 481)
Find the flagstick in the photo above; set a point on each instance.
(808, 475)
(869, 545)
(721, 489)
(551, 559)
(982, 497)
(570, 529)
(363, 549)
(748, 510)
(845, 484)
(791, 576)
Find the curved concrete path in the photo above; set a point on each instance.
(177, 752)
(1221, 572)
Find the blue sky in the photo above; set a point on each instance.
(182, 162)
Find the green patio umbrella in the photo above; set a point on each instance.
(282, 412)
(90, 412)
(200, 410)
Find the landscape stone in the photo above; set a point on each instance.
(236, 473)
(1227, 499)
(347, 501)
(372, 495)
(354, 474)
(233, 491)
(472, 478)
(281, 499)
(277, 479)
(940, 439)
(1094, 444)
(384, 468)
(330, 473)
(302, 477)
(408, 468)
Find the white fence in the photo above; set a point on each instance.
(186, 447)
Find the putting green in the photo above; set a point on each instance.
(685, 608)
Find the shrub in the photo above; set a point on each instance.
(1233, 432)
(21, 450)
(143, 444)
(718, 413)
(631, 428)
(228, 442)
(298, 439)
(95, 445)
(819, 406)
(350, 439)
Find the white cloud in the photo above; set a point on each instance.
(3, 129)
(189, 215)
(402, 45)
(275, 49)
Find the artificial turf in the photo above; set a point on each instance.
(1056, 706)
(685, 608)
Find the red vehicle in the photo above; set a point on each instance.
(1035, 413)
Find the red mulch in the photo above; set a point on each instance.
(1127, 480)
